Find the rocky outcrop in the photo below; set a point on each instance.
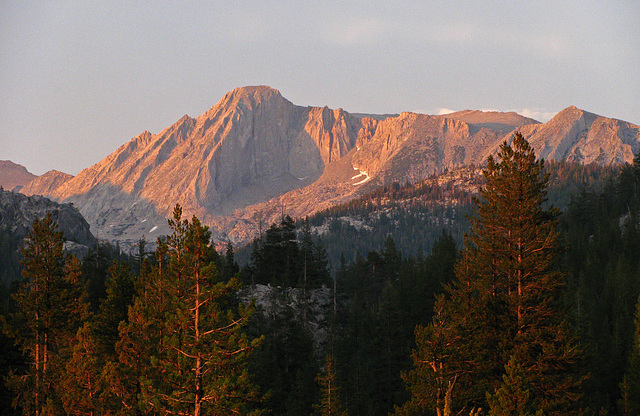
(18, 211)
(335, 131)
(13, 175)
(414, 146)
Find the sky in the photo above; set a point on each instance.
(79, 79)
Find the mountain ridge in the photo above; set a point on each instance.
(254, 155)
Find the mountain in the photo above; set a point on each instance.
(255, 155)
(18, 211)
(575, 135)
(13, 175)
(46, 184)
(250, 147)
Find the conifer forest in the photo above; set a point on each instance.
(524, 302)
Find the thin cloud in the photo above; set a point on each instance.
(540, 114)
(358, 31)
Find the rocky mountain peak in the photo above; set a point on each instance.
(571, 114)
(579, 136)
(250, 98)
(145, 137)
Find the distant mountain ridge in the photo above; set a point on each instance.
(46, 184)
(13, 175)
(255, 155)
(576, 135)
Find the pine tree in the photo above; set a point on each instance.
(285, 365)
(330, 403)
(197, 350)
(506, 299)
(89, 386)
(82, 382)
(51, 308)
(113, 309)
(230, 268)
(630, 386)
(435, 372)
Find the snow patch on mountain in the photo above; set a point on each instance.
(362, 173)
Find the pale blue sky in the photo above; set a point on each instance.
(80, 78)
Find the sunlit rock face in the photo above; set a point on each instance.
(255, 155)
(46, 184)
(579, 136)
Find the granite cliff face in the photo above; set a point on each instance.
(255, 155)
(414, 146)
(251, 146)
(18, 211)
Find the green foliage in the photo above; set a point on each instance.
(120, 291)
(602, 231)
(83, 387)
(50, 308)
(629, 403)
(434, 375)
(278, 259)
(513, 397)
(285, 365)
(229, 267)
(384, 299)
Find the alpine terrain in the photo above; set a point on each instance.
(255, 155)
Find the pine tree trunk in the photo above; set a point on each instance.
(38, 373)
(198, 369)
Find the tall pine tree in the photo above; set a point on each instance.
(51, 308)
(505, 301)
(196, 364)
(330, 403)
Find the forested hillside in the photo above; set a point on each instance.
(343, 298)
(415, 215)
